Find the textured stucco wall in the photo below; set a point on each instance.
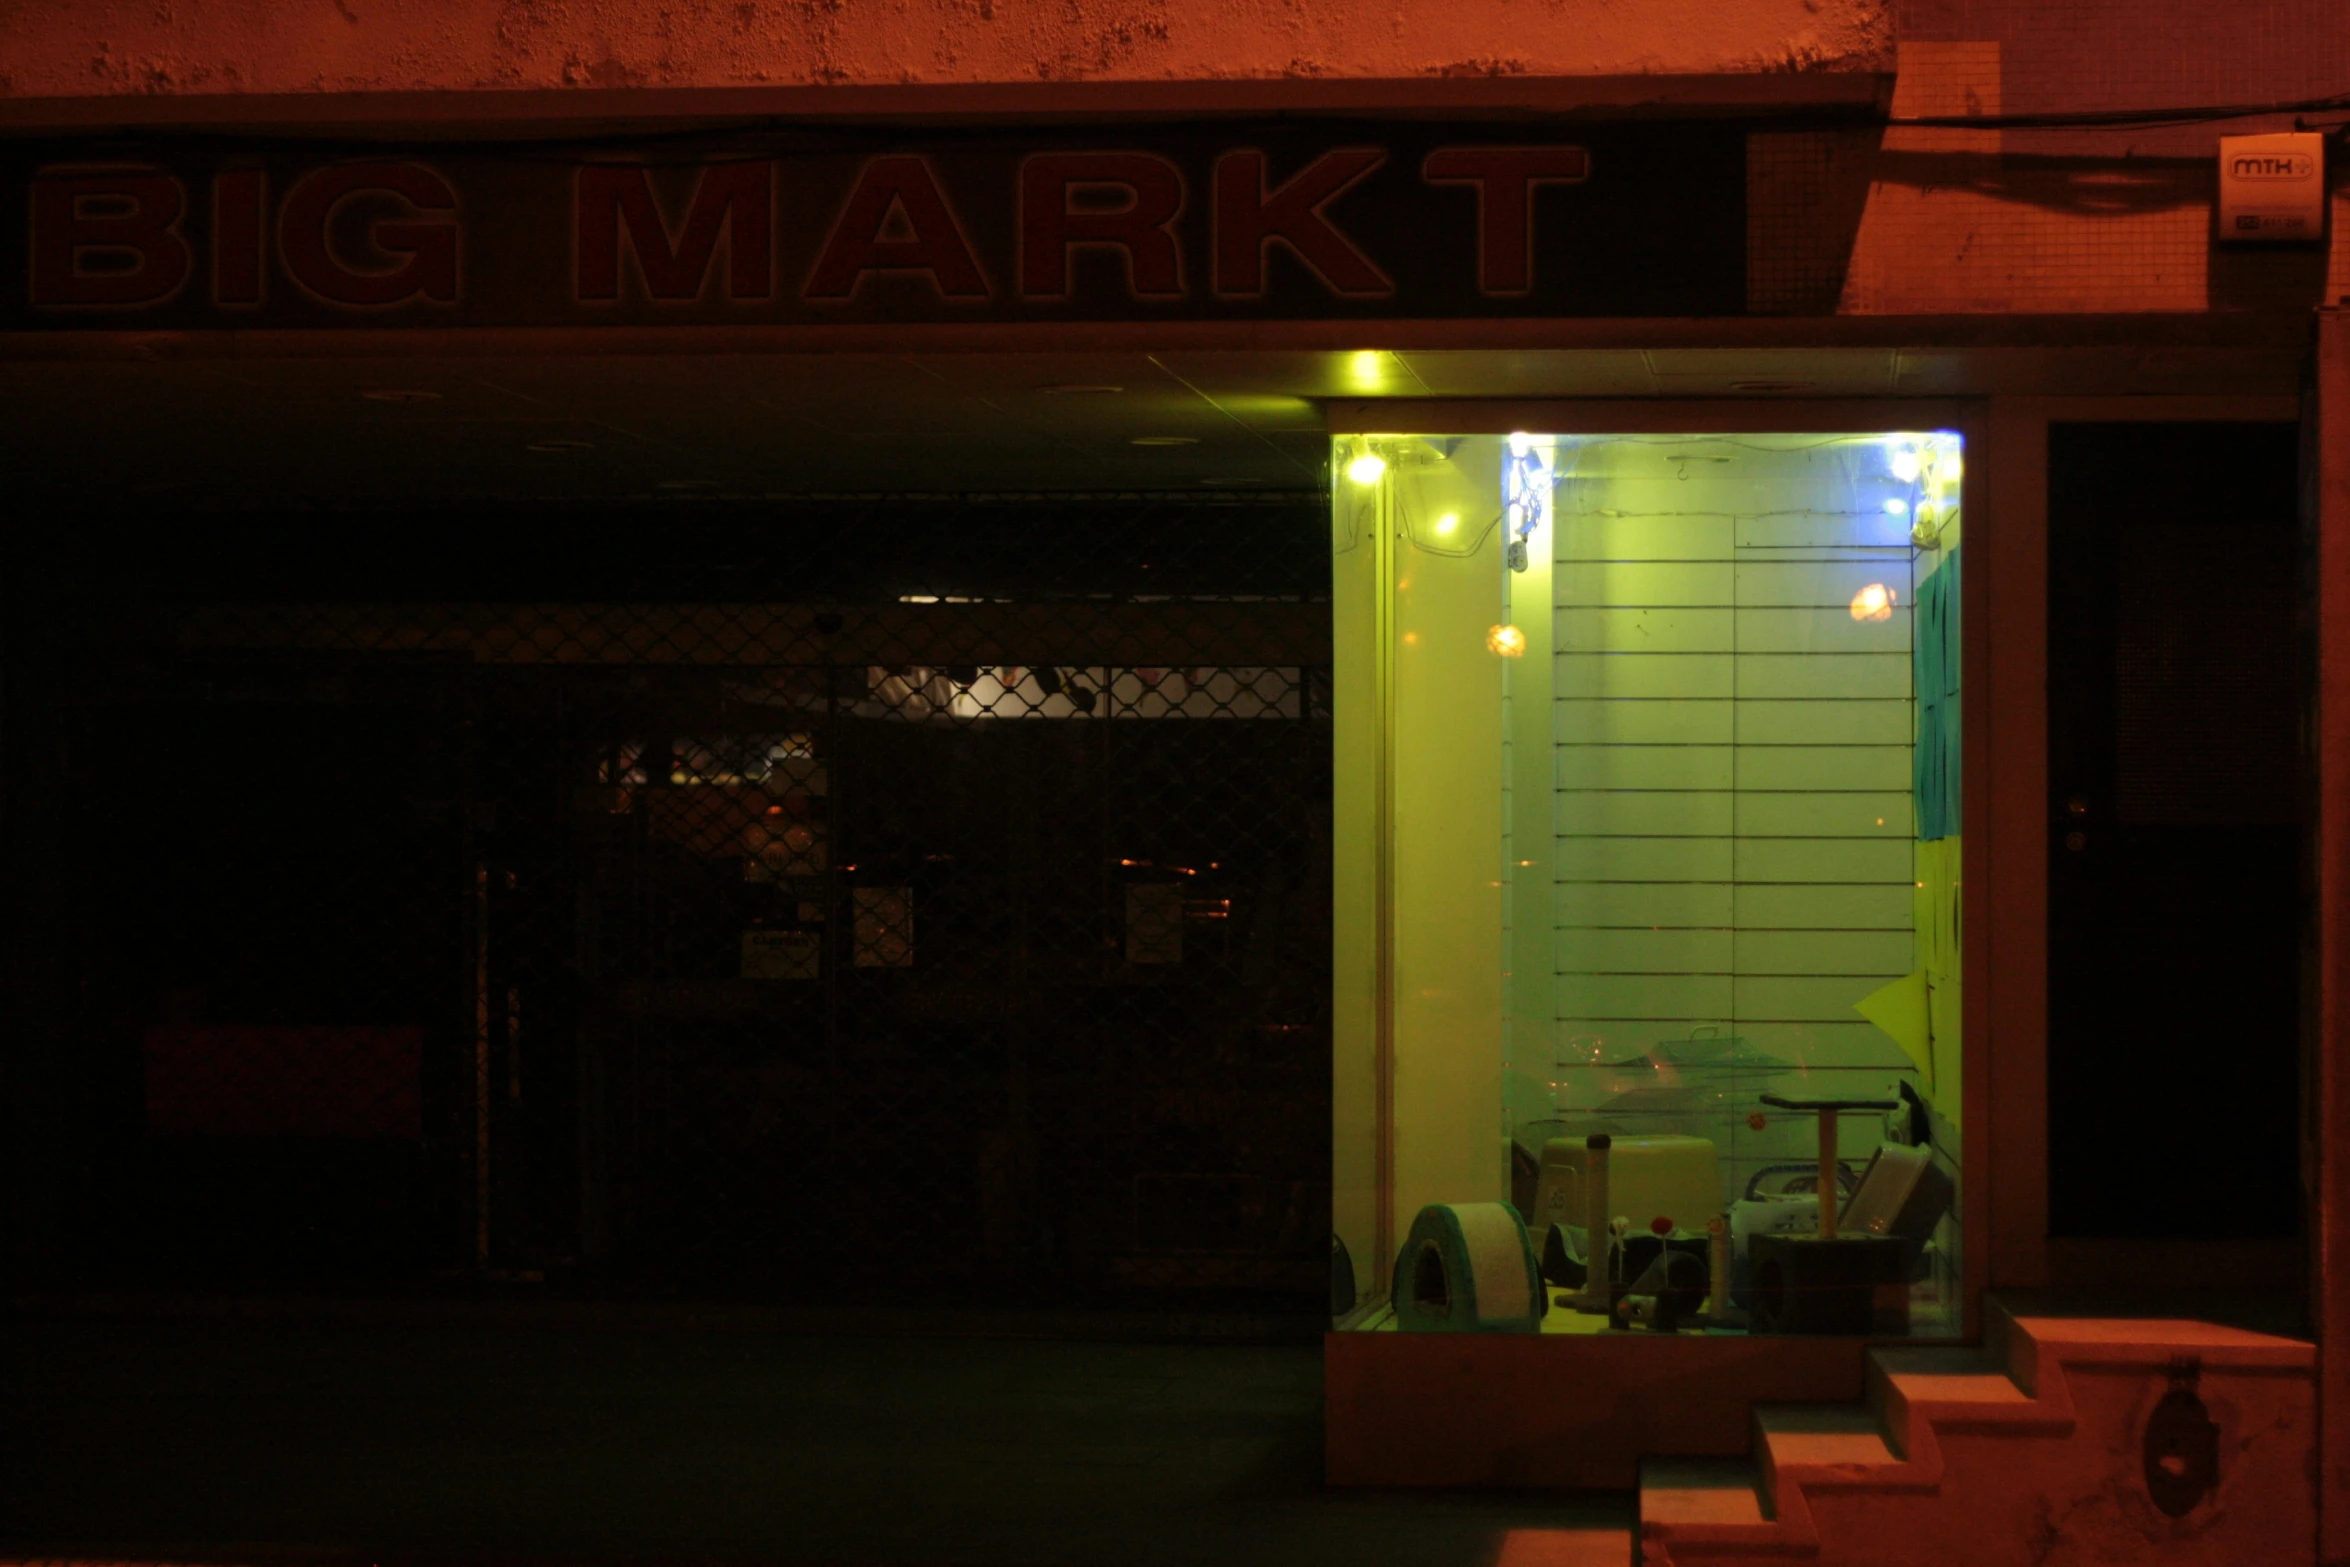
(79, 48)
(1962, 221)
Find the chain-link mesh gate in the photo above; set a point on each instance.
(925, 899)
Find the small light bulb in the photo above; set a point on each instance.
(1895, 506)
(1873, 603)
(1520, 443)
(1365, 368)
(1449, 521)
(1508, 641)
(1369, 468)
(1906, 466)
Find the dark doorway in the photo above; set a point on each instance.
(2174, 890)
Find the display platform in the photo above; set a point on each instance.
(1929, 1317)
(1571, 1409)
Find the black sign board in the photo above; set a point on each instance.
(1218, 220)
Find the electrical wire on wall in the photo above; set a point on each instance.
(2143, 119)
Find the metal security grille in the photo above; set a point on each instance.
(886, 899)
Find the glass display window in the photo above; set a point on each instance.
(1649, 881)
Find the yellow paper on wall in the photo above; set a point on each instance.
(1939, 863)
(1900, 1009)
(1943, 1020)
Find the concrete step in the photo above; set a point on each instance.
(2062, 1402)
(1586, 1546)
(1701, 1493)
(1820, 1444)
(1947, 1374)
(1698, 1510)
(1915, 1390)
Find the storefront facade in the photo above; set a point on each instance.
(1671, 758)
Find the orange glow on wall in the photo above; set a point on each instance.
(1873, 603)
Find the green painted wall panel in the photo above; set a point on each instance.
(1357, 701)
(1843, 532)
(1829, 768)
(1643, 583)
(1601, 538)
(1643, 951)
(1646, 904)
(1824, 723)
(1815, 631)
(1643, 767)
(1821, 859)
(1768, 998)
(1672, 676)
(1622, 996)
(1823, 676)
(1823, 951)
(1617, 813)
(1600, 630)
(1824, 906)
(1634, 722)
(1451, 952)
(1815, 584)
(1790, 814)
(1644, 859)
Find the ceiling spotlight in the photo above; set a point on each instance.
(1166, 440)
(387, 394)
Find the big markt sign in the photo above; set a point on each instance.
(1207, 221)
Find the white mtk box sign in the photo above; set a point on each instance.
(2272, 187)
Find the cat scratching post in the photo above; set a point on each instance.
(1828, 1282)
(1598, 1244)
(1828, 1110)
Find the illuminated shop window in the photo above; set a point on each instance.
(1649, 831)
